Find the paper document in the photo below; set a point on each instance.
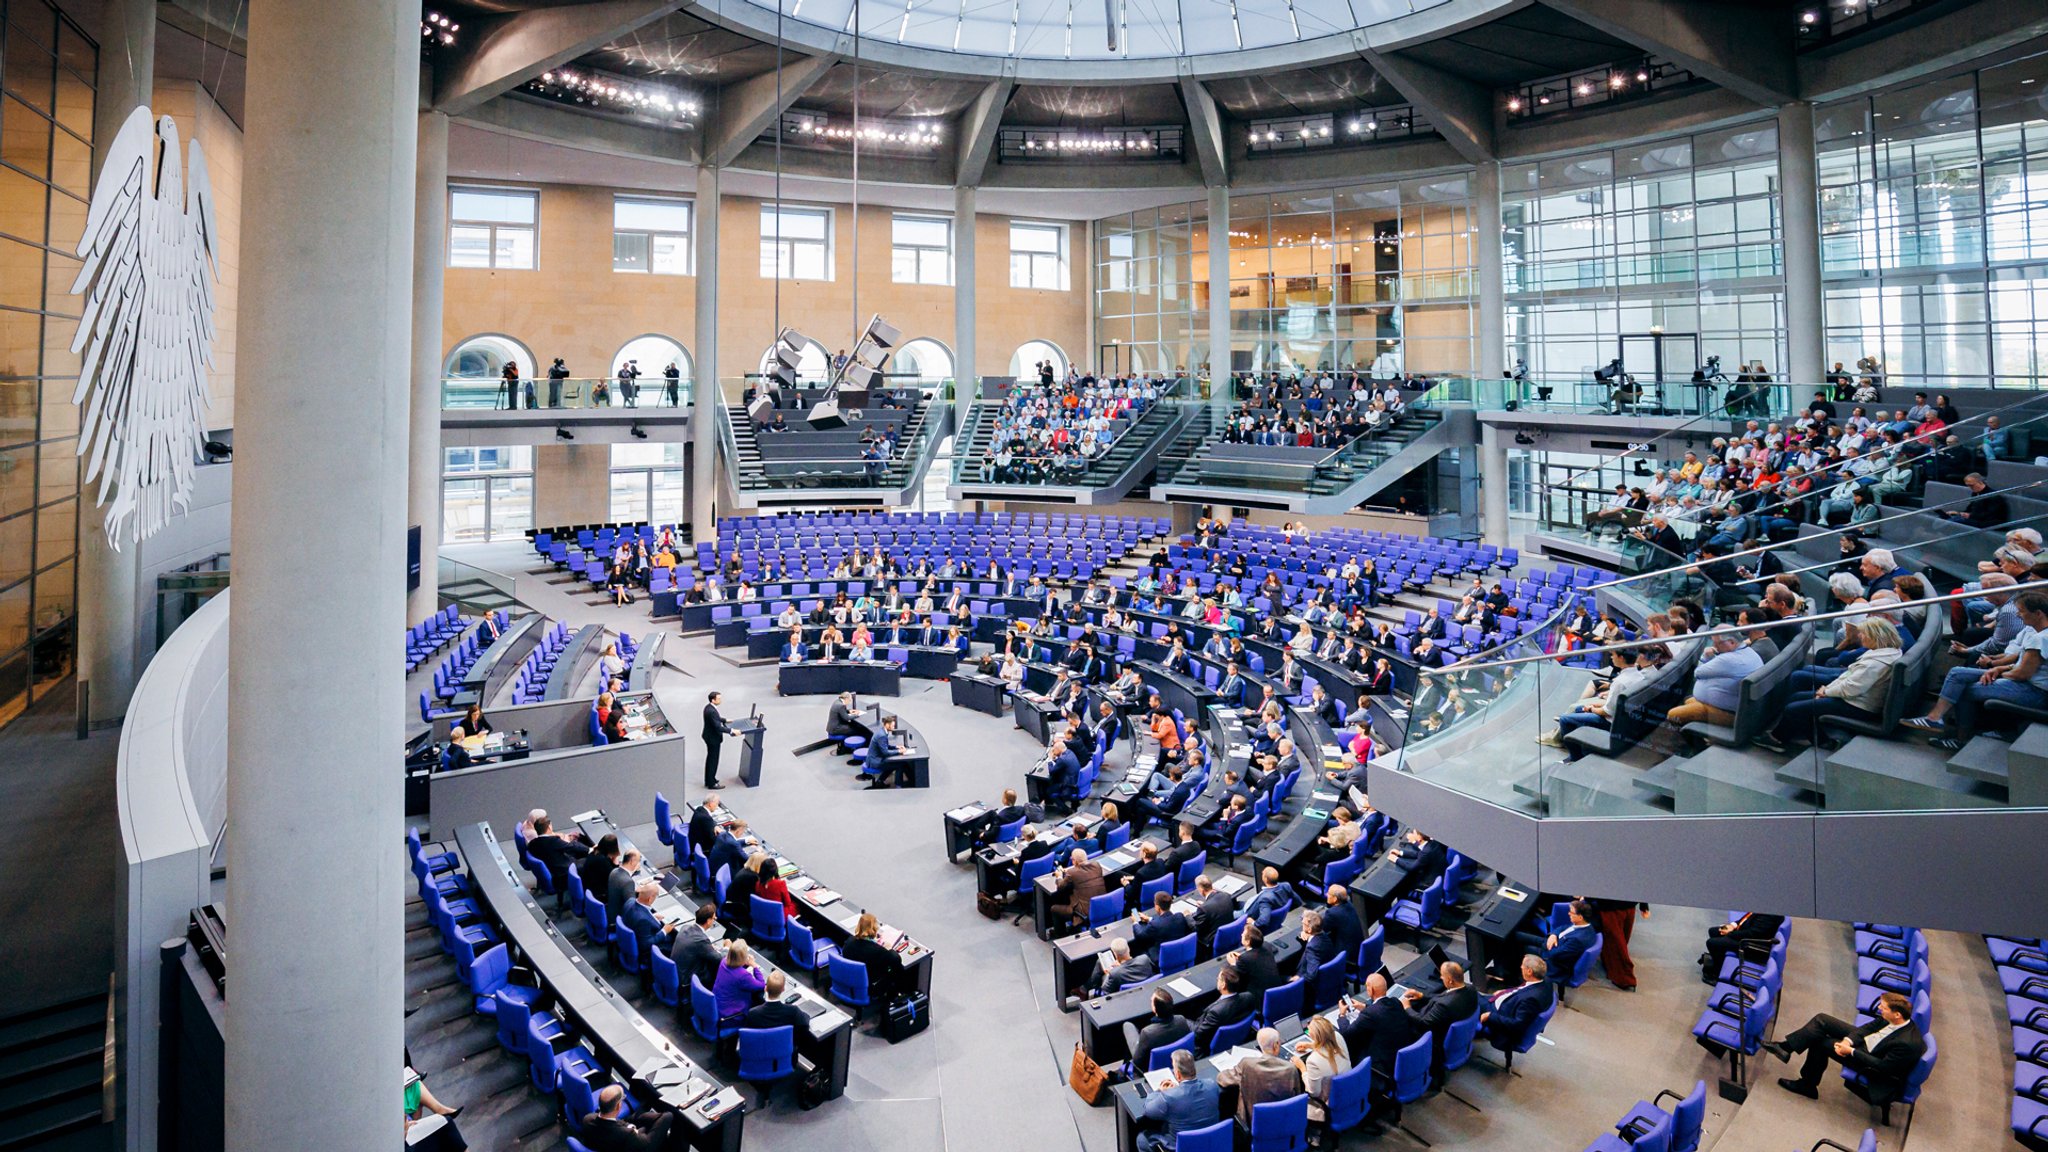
(1160, 1080)
(1184, 986)
(1232, 884)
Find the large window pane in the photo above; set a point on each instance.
(492, 227)
(462, 512)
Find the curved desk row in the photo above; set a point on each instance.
(496, 666)
(832, 915)
(831, 677)
(1193, 990)
(767, 644)
(562, 771)
(826, 1044)
(914, 753)
(697, 617)
(646, 660)
(574, 662)
(633, 1050)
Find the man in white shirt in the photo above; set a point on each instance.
(1884, 1052)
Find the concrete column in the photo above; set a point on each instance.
(1491, 329)
(108, 628)
(429, 247)
(964, 362)
(1219, 296)
(1799, 192)
(705, 395)
(316, 881)
(1493, 485)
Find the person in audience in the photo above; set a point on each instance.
(1261, 1078)
(1189, 1103)
(559, 851)
(1158, 925)
(1320, 1058)
(620, 886)
(1269, 907)
(884, 965)
(1125, 969)
(609, 1129)
(793, 650)
(777, 1009)
(1376, 1028)
(1512, 1013)
(1860, 689)
(1080, 881)
(1717, 682)
(1257, 969)
(597, 868)
(695, 954)
(1883, 1052)
(1722, 939)
(1633, 669)
(647, 929)
(1435, 1014)
(738, 981)
(2018, 675)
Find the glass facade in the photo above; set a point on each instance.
(486, 494)
(650, 482)
(1661, 253)
(1373, 276)
(1934, 228)
(47, 71)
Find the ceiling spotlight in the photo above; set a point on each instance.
(1372, 126)
(1323, 131)
(1355, 127)
(1515, 104)
(1643, 77)
(1809, 17)
(1543, 99)
(1585, 89)
(1616, 81)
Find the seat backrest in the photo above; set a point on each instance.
(1283, 1001)
(1411, 1068)
(849, 979)
(1175, 955)
(1162, 1056)
(1217, 1137)
(1105, 909)
(1231, 1035)
(1458, 1042)
(1280, 1124)
(1689, 1118)
(767, 1052)
(1657, 1138)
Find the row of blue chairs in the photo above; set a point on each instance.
(453, 667)
(429, 636)
(530, 683)
(2022, 964)
(1893, 958)
(1744, 999)
(1648, 1127)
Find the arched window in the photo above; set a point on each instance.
(484, 357)
(654, 353)
(928, 360)
(1024, 361)
(814, 364)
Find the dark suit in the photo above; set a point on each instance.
(639, 920)
(1509, 1020)
(1259, 972)
(1378, 1031)
(715, 732)
(840, 721)
(775, 1014)
(1752, 926)
(703, 830)
(694, 955)
(1340, 924)
(1425, 861)
(1083, 882)
(1437, 1014)
(1211, 914)
(618, 892)
(1316, 952)
(559, 854)
(1159, 930)
(1884, 1068)
(1231, 691)
(1158, 1032)
(1134, 971)
(727, 852)
(1571, 944)
(1226, 1010)
(643, 1133)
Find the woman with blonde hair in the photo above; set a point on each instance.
(1321, 1057)
(883, 965)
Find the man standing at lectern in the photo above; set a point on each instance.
(715, 732)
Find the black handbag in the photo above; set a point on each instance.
(905, 1016)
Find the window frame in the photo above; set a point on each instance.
(688, 235)
(1061, 277)
(784, 246)
(920, 252)
(491, 264)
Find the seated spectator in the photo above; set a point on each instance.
(1858, 691)
(1717, 682)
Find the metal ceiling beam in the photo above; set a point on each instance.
(1742, 49)
(749, 108)
(1917, 49)
(1461, 111)
(511, 50)
(976, 131)
(1205, 124)
(550, 123)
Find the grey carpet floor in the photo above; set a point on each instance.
(990, 1073)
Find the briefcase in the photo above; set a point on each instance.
(906, 1016)
(1086, 1077)
(988, 906)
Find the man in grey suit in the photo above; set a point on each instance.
(618, 888)
(1261, 1079)
(1189, 1103)
(1125, 969)
(694, 952)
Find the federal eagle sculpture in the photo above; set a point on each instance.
(147, 326)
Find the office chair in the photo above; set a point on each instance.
(767, 1055)
(1280, 1125)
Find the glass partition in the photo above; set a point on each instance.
(649, 390)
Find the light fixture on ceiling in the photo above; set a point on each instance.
(1585, 89)
(1617, 81)
(1514, 103)
(1809, 17)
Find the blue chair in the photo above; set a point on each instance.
(1162, 1056)
(1350, 1097)
(1655, 1137)
(1458, 1040)
(805, 952)
(1543, 1021)
(1280, 1125)
(1231, 1035)
(767, 1054)
(594, 927)
(704, 1019)
(1191, 868)
(1909, 1095)
(1369, 951)
(1326, 984)
(491, 973)
(1686, 1120)
(1227, 938)
(1411, 1070)
(664, 820)
(1582, 968)
(1283, 1001)
(1152, 888)
(1105, 909)
(849, 983)
(768, 920)
(1176, 955)
(1420, 911)
(1217, 1137)
(1008, 832)
(668, 987)
(627, 948)
(513, 1008)
(1116, 837)
(545, 1063)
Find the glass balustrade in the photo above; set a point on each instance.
(650, 391)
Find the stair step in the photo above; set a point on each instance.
(1872, 775)
(1983, 759)
(50, 1120)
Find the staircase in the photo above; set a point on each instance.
(1196, 433)
(1344, 481)
(54, 1076)
(901, 479)
(1103, 480)
(457, 1051)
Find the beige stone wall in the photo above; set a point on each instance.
(572, 484)
(199, 118)
(574, 306)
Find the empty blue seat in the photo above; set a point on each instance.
(1281, 1125)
